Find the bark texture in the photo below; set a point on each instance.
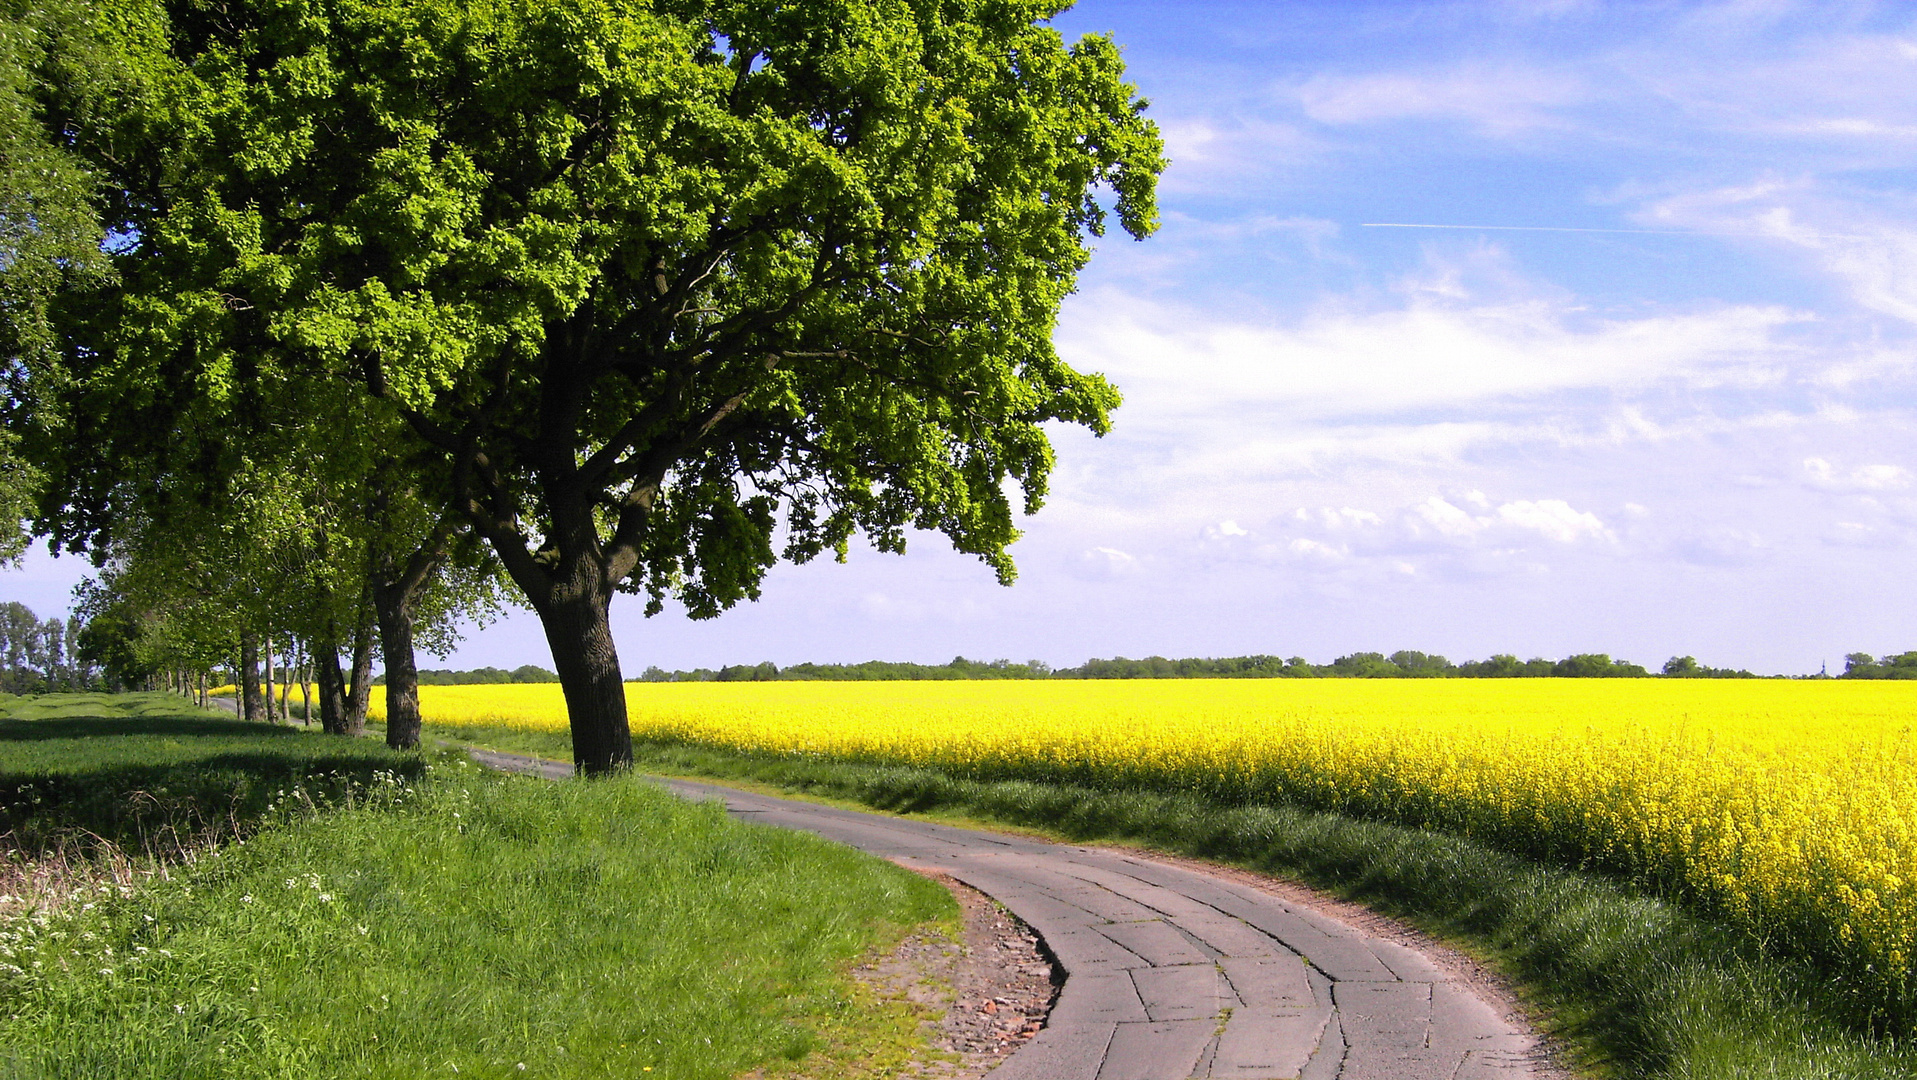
(359, 690)
(579, 630)
(251, 707)
(331, 684)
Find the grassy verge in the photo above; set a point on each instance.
(151, 775)
(1636, 986)
(437, 920)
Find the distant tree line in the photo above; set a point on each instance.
(1865, 666)
(525, 673)
(869, 671)
(1404, 664)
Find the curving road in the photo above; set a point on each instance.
(1172, 973)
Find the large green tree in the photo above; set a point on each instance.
(60, 61)
(673, 288)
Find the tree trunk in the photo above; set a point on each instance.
(395, 609)
(306, 690)
(250, 676)
(570, 581)
(360, 690)
(579, 631)
(270, 676)
(397, 591)
(331, 684)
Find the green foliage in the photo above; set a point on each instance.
(165, 610)
(58, 66)
(54, 69)
(1157, 667)
(1404, 664)
(1507, 666)
(869, 671)
(524, 673)
(1866, 666)
(66, 68)
(1596, 666)
(801, 255)
(633, 289)
(1687, 667)
(40, 657)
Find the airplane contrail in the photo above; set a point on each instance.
(1569, 229)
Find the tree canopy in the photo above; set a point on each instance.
(667, 289)
(59, 64)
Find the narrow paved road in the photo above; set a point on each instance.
(1172, 973)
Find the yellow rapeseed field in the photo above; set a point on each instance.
(1788, 808)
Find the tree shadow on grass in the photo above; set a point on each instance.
(88, 727)
(166, 809)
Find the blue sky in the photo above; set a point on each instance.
(1692, 434)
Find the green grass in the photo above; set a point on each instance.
(446, 921)
(152, 774)
(1635, 986)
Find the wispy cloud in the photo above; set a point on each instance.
(1865, 239)
(1498, 101)
(1466, 533)
(1436, 349)
(1824, 476)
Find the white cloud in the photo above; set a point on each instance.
(1826, 84)
(1822, 474)
(1341, 361)
(1447, 519)
(1220, 152)
(922, 607)
(1498, 101)
(1316, 550)
(1435, 527)
(1332, 520)
(1105, 564)
(1866, 240)
(1433, 538)
(1554, 520)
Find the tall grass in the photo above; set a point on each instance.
(437, 921)
(151, 775)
